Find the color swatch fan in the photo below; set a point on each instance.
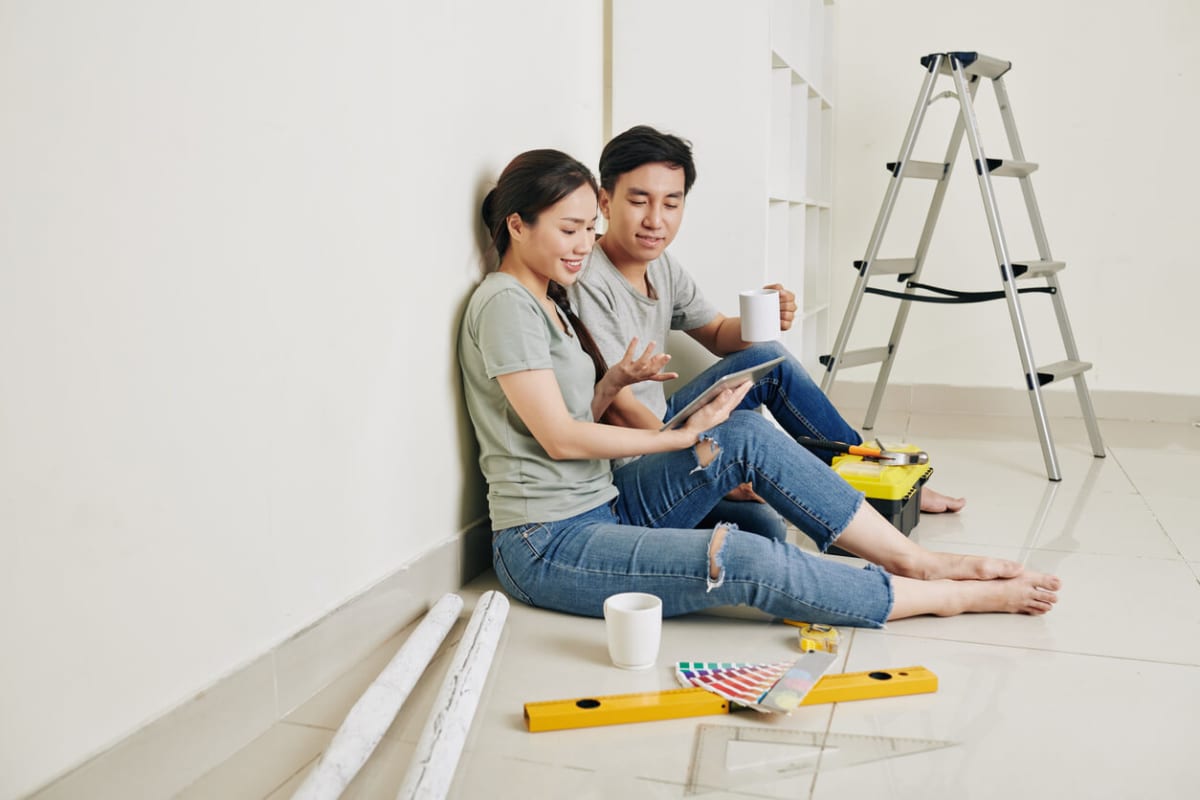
(738, 682)
(778, 687)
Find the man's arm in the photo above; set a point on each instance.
(722, 336)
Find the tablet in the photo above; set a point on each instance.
(752, 374)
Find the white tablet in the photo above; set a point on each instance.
(752, 374)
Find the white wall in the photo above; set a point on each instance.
(235, 239)
(1106, 100)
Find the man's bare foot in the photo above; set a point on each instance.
(931, 566)
(933, 502)
(1028, 593)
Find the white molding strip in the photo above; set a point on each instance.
(445, 734)
(374, 712)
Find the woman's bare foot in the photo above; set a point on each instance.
(931, 565)
(934, 502)
(1028, 593)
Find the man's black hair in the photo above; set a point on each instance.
(640, 145)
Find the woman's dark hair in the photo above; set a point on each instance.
(531, 183)
(640, 145)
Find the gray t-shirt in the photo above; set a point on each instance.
(505, 330)
(615, 312)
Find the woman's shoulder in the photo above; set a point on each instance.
(500, 285)
(501, 298)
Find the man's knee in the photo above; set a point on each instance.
(769, 350)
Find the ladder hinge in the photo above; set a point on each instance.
(961, 58)
(1029, 381)
(827, 361)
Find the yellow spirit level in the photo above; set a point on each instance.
(590, 712)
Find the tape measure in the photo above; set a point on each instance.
(815, 637)
(590, 712)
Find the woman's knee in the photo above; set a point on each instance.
(741, 431)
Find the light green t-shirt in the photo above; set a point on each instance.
(505, 330)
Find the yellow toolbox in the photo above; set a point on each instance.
(894, 491)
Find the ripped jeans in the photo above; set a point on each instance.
(645, 540)
(796, 403)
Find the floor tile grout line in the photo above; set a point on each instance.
(297, 771)
(969, 543)
(812, 786)
(1158, 661)
(1165, 531)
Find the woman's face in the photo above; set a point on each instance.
(554, 247)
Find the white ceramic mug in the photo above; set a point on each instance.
(633, 622)
(760, 315)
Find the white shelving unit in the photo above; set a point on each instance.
(751, 84)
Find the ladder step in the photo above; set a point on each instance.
(973, 64)
(889, 266)
(1036, 268)
(856, 358)
(932, 170)
(1007, 168)
(1061, 369)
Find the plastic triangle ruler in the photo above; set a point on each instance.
(729, 757)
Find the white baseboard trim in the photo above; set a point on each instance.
(219, 721)
(1060, 401)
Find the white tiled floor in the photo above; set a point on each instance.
(1099, 699)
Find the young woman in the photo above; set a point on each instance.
(566, 536)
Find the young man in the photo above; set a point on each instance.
(632, 287)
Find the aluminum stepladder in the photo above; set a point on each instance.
(967, 69)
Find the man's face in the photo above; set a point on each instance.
(644, 212)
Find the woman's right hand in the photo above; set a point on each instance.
(633, 368)
(718, 410)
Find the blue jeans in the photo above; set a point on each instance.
(750, 516)
(646, 539)
(793, 399)
(573, 564)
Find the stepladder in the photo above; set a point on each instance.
(1018, 276)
